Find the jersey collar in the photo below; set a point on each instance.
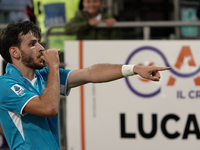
(13, 71)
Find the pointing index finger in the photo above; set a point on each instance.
(162, 68)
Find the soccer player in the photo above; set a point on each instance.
(30, 92)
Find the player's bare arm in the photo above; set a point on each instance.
(106, 72)
(95, 74)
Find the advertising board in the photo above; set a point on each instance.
(134, 113)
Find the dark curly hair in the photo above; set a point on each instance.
(11, 36)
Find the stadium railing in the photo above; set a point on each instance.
(146, 25)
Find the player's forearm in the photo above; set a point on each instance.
(51, 94)
(95, 74)
(105, 73)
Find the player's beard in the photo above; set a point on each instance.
(30, 61)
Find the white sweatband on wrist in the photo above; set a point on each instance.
(127, 70)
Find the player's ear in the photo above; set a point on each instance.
(14, 52)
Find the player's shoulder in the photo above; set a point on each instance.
(7, 81)
(7, 84)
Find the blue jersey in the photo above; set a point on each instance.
(27, 131)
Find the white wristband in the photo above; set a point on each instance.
(127, 70)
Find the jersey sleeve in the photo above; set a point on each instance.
(14, 96)
(64, 74)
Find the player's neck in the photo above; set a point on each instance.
(26, 72)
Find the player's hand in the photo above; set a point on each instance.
(51, 57)
(150, 72)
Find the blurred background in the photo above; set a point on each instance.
(136, 19)
(128, 11)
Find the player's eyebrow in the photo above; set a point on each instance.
(33, 41)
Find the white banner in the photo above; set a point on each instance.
(133, 113)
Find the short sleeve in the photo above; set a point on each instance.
(64, 74)
(14, 96)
